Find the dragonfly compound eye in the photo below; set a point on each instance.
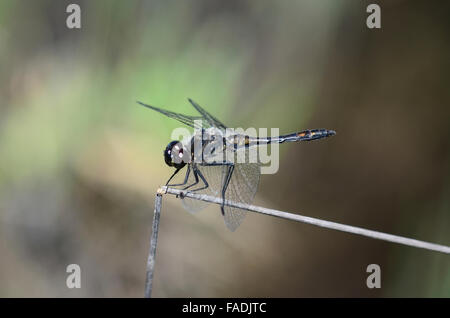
(175, 155)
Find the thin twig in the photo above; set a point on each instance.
(314, 221)
(280, 214)
(153, 241)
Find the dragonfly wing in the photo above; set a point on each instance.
(192, 121)
(243, 184)
(242, 188)
(212, 121)
(213, 175)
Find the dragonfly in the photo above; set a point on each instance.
(209, 156)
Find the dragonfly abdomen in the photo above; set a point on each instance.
(305, 135)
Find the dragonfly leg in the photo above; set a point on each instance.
(225, 186)
(227, 178)
(185, 178)
(205, 183)
(194, 171)
(197, 174)
(173, 175)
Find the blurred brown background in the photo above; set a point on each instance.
(80, 161)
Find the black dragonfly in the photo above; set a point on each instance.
(234, 180)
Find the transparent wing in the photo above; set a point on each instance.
(206, 120)
(185, 119)
(242, 188)
(213, 175)
(213, 121)
(243, 183)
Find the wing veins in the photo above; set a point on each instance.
(213, 121)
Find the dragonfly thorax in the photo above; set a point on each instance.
(176, 155)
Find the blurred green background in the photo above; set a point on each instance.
(80, 161)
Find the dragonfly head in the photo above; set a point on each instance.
(176, 155)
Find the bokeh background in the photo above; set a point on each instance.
(80, 161)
